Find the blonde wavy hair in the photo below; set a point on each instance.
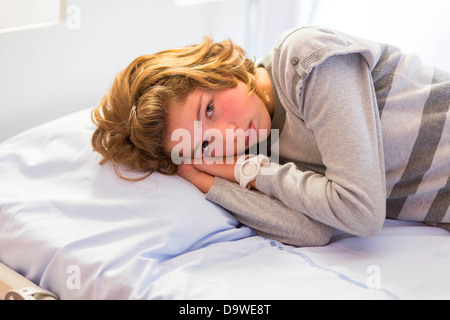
(131, 118)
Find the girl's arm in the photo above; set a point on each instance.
(201, 180)
(267, 216)
(339, 107)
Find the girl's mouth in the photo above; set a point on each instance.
(250, 134)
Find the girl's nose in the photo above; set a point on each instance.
(230, 126)
(226, 128)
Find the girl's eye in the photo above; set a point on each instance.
(205, 145)
(209, 110)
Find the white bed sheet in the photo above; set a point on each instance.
(76, 229)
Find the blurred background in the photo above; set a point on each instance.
(58, 57)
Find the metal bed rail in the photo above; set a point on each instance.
(14, 286)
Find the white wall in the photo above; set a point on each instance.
(417, 26)
(23, 14)
(49, 72)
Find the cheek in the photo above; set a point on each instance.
(232, 106)
(179, 139)
(235, 101)
(234, 112)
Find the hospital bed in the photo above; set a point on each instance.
(71, 229)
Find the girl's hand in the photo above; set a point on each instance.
(223, 168)
(201, 180)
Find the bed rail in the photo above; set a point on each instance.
(14, 286)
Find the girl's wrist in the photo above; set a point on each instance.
(203, 181)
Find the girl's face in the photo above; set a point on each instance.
(217, 123)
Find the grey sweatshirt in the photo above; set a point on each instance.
(364, 135)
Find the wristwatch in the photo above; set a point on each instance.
(247, 169)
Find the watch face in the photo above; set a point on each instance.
(249, 169)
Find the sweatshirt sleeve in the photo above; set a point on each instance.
(268, 216)
(338, 106)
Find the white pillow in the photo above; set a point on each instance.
(61, 211)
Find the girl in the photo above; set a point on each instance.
(360, 132)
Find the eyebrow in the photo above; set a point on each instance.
(199, 108)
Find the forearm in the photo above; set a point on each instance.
(350, 209)
(338, 107)
(268, 216)
(203, 182)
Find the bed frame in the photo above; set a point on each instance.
(14, 286)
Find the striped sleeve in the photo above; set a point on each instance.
(414, 100)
